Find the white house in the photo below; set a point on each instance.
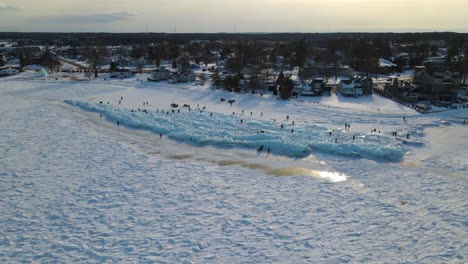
(160, 74)
(315, 88)
(8, 71)
(183, 77)
(351, 87)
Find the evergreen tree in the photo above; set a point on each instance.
(300, 54)
(216, 79)
(286, 87)
(156, 59)
(234, 64)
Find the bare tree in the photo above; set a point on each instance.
(95, 57)
(140, 64)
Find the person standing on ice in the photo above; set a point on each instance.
(287, 117)
(160, 135)
(100, 115)
(330, 133)
(118, 123)
(268, 150)
(407, 136)
(260, 149)
(354, 137)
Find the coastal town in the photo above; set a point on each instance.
(424, 75)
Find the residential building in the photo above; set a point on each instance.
(182, 76)
(355, 87)
(160, 74)
(8, 71)
(442, 85)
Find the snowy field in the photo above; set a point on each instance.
(75, 187)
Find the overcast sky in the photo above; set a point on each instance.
(230, 15)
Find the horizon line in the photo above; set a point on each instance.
(236, 33)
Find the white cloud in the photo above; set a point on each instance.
(86, 18)
(5, 7)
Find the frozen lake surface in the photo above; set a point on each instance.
(77, 188)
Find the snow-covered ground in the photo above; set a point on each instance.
(77, 187)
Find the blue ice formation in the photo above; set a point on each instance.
(227, 131)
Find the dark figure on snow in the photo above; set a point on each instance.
(260, 149)
(100, 115)
(261, 114)
(121, 97)
(292, 130)
(251, 113)
(407, 136)
(242, 121)
(211, 114)
(330, 133)
(354, 137)
(293, 123)
(118, 123)
(160, 135)
(287, 117)
(282, 126)
(268, 150)
(336, 140)
(242, 111)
